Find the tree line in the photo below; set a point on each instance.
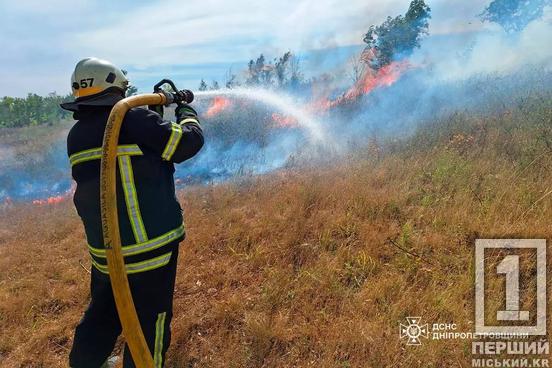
(283, 72)
(31, 110)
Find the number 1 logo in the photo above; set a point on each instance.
(509, 266)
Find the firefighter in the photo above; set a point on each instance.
(150, 217)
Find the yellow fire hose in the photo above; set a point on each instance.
(110, 226)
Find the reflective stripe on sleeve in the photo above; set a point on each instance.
(174, 139)
(152, 244)
(131, 199)
(96, 153)
(143, 266)
(189, 120)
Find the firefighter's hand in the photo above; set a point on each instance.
(157, 108)
(184, 111)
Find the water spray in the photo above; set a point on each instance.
(281, 102)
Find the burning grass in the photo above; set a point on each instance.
(218, 105)
(304, 268)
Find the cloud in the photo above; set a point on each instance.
(207, 31)
(43, 40)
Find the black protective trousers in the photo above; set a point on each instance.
(97, 332)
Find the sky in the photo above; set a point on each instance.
(41, 41)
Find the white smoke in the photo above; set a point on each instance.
(492, 50)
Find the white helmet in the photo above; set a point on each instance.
(93, 76)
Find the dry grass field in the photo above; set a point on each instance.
(310, 267)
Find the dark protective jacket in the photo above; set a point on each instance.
(150, 216)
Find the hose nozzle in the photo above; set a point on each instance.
(183, 96)
(178, 96)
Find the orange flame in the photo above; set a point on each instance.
(284, 121)
(218, 105)
(50, 200)
(370, 80)
(56, 199)
(385, 76)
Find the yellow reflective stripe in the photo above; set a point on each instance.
(174, 139)
(85, 155)
(150, 264)
(152, 244)
(159, 332)
(131, 199)
(189, 120)
(96, 153)
(143, 266)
